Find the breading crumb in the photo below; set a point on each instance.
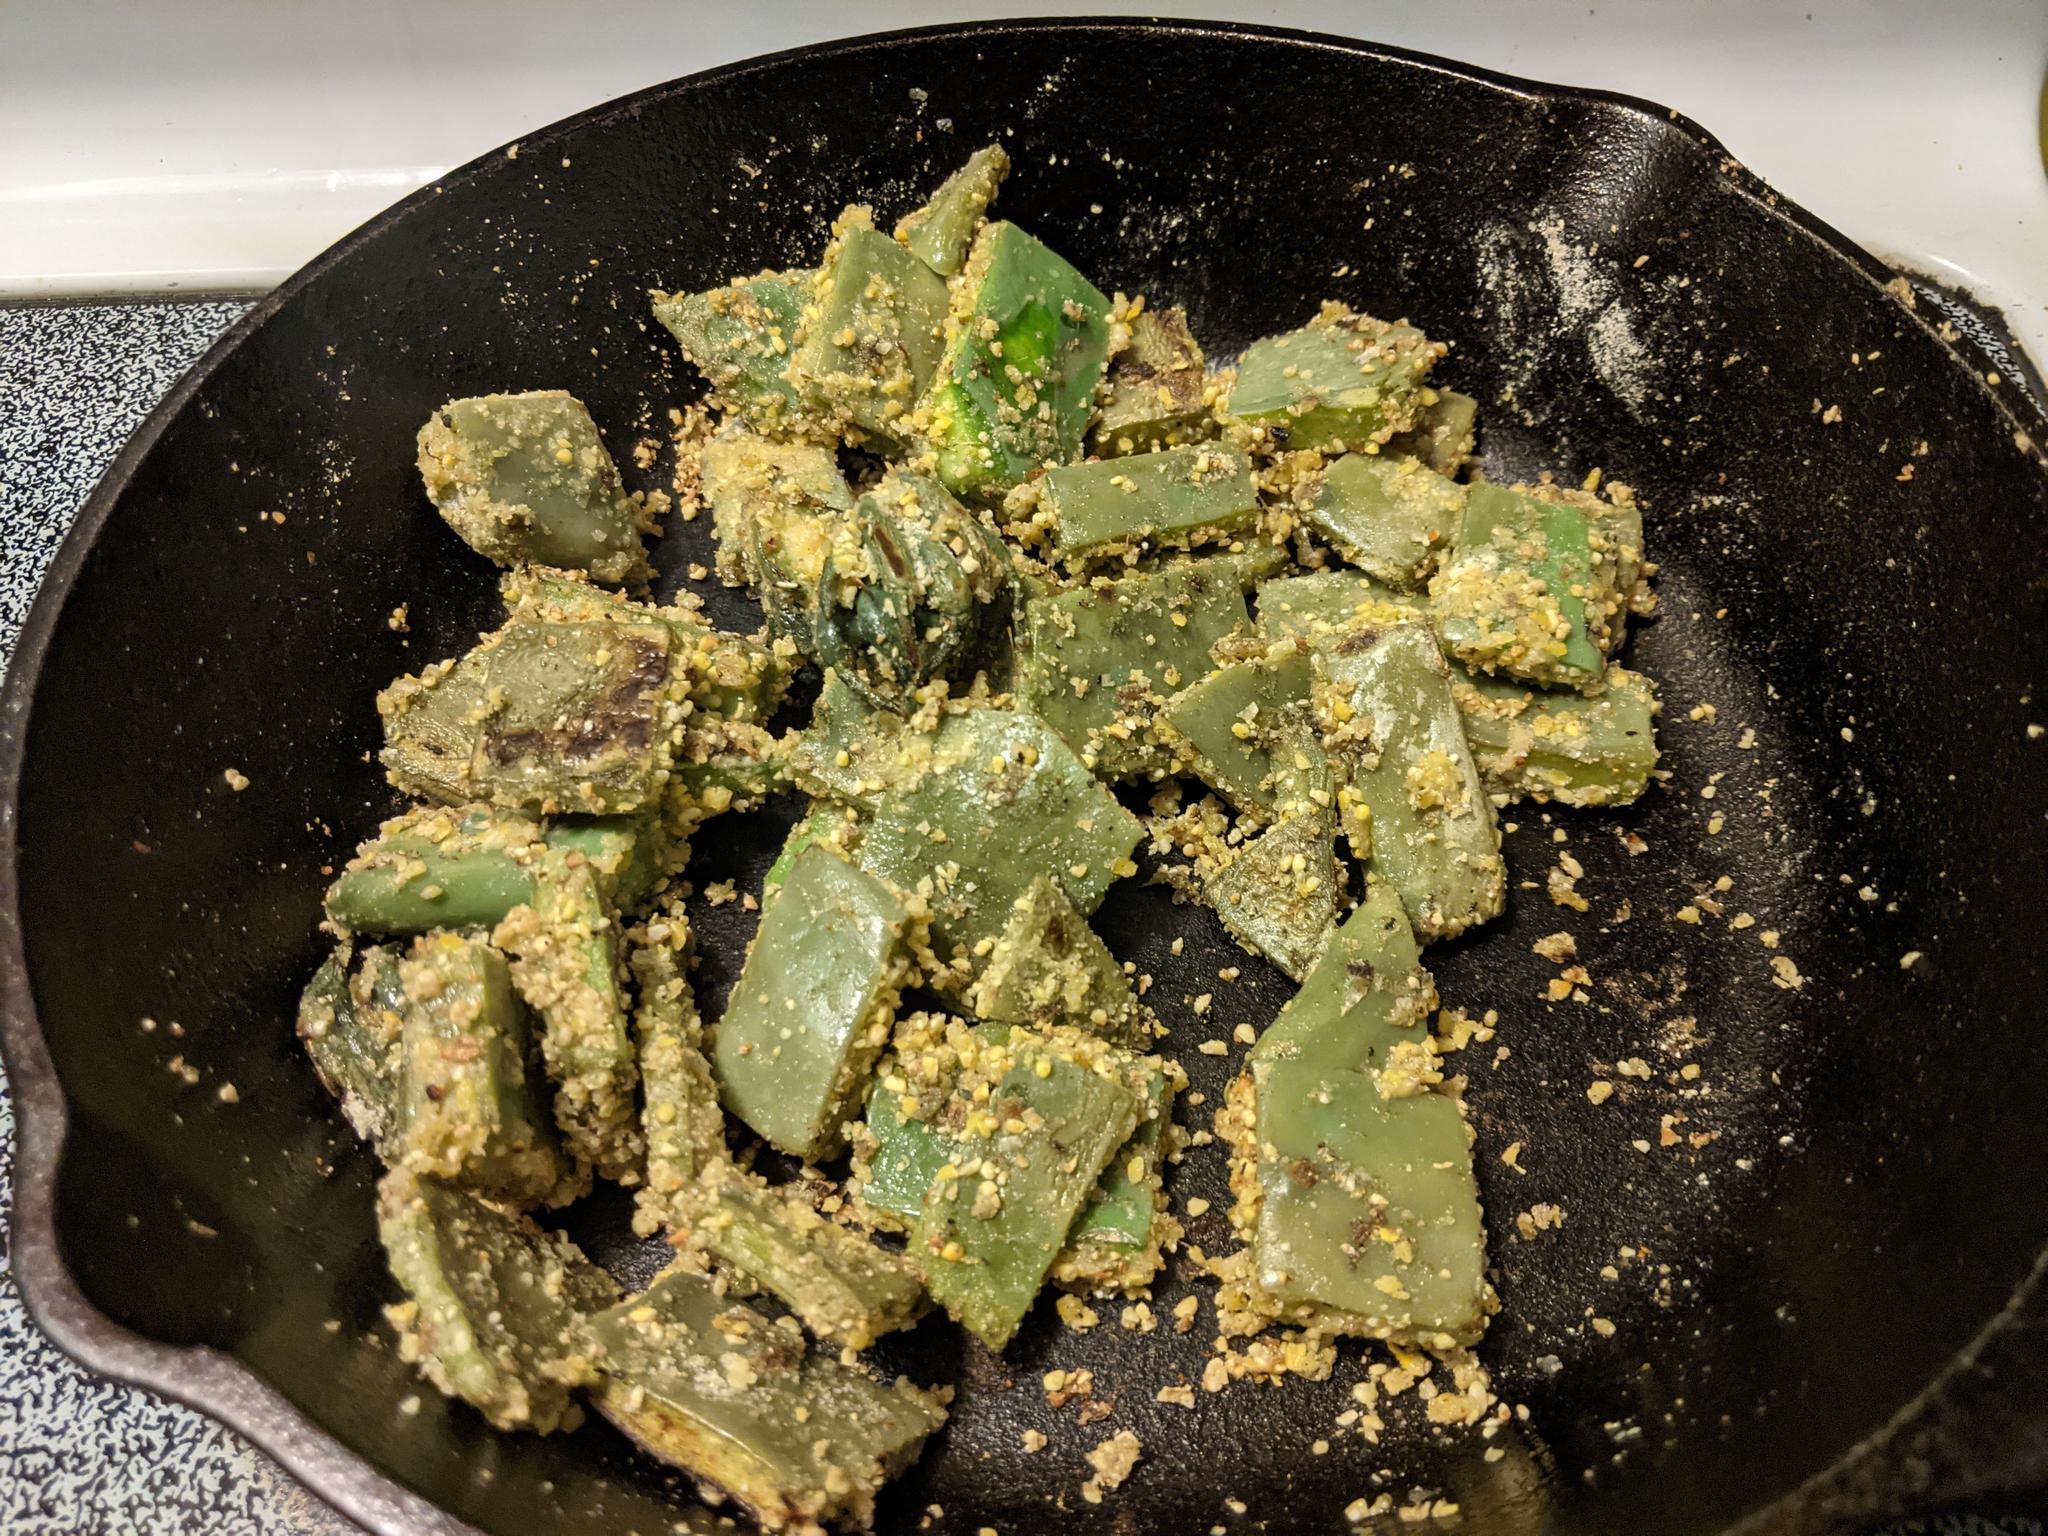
(1113, 1461)
(1076, 1313)
(1563, 885)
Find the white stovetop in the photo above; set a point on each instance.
(215, 145)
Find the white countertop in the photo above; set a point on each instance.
(216, 145)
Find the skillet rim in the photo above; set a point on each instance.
(214, 1381)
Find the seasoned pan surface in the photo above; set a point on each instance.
(1759, 1264)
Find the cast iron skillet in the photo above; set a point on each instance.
(1621, 296)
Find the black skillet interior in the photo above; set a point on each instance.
(1787, 1245)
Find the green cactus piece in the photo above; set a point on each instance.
(1026, 346)
(812, 1007)
(498, 1312)
(527, 478)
